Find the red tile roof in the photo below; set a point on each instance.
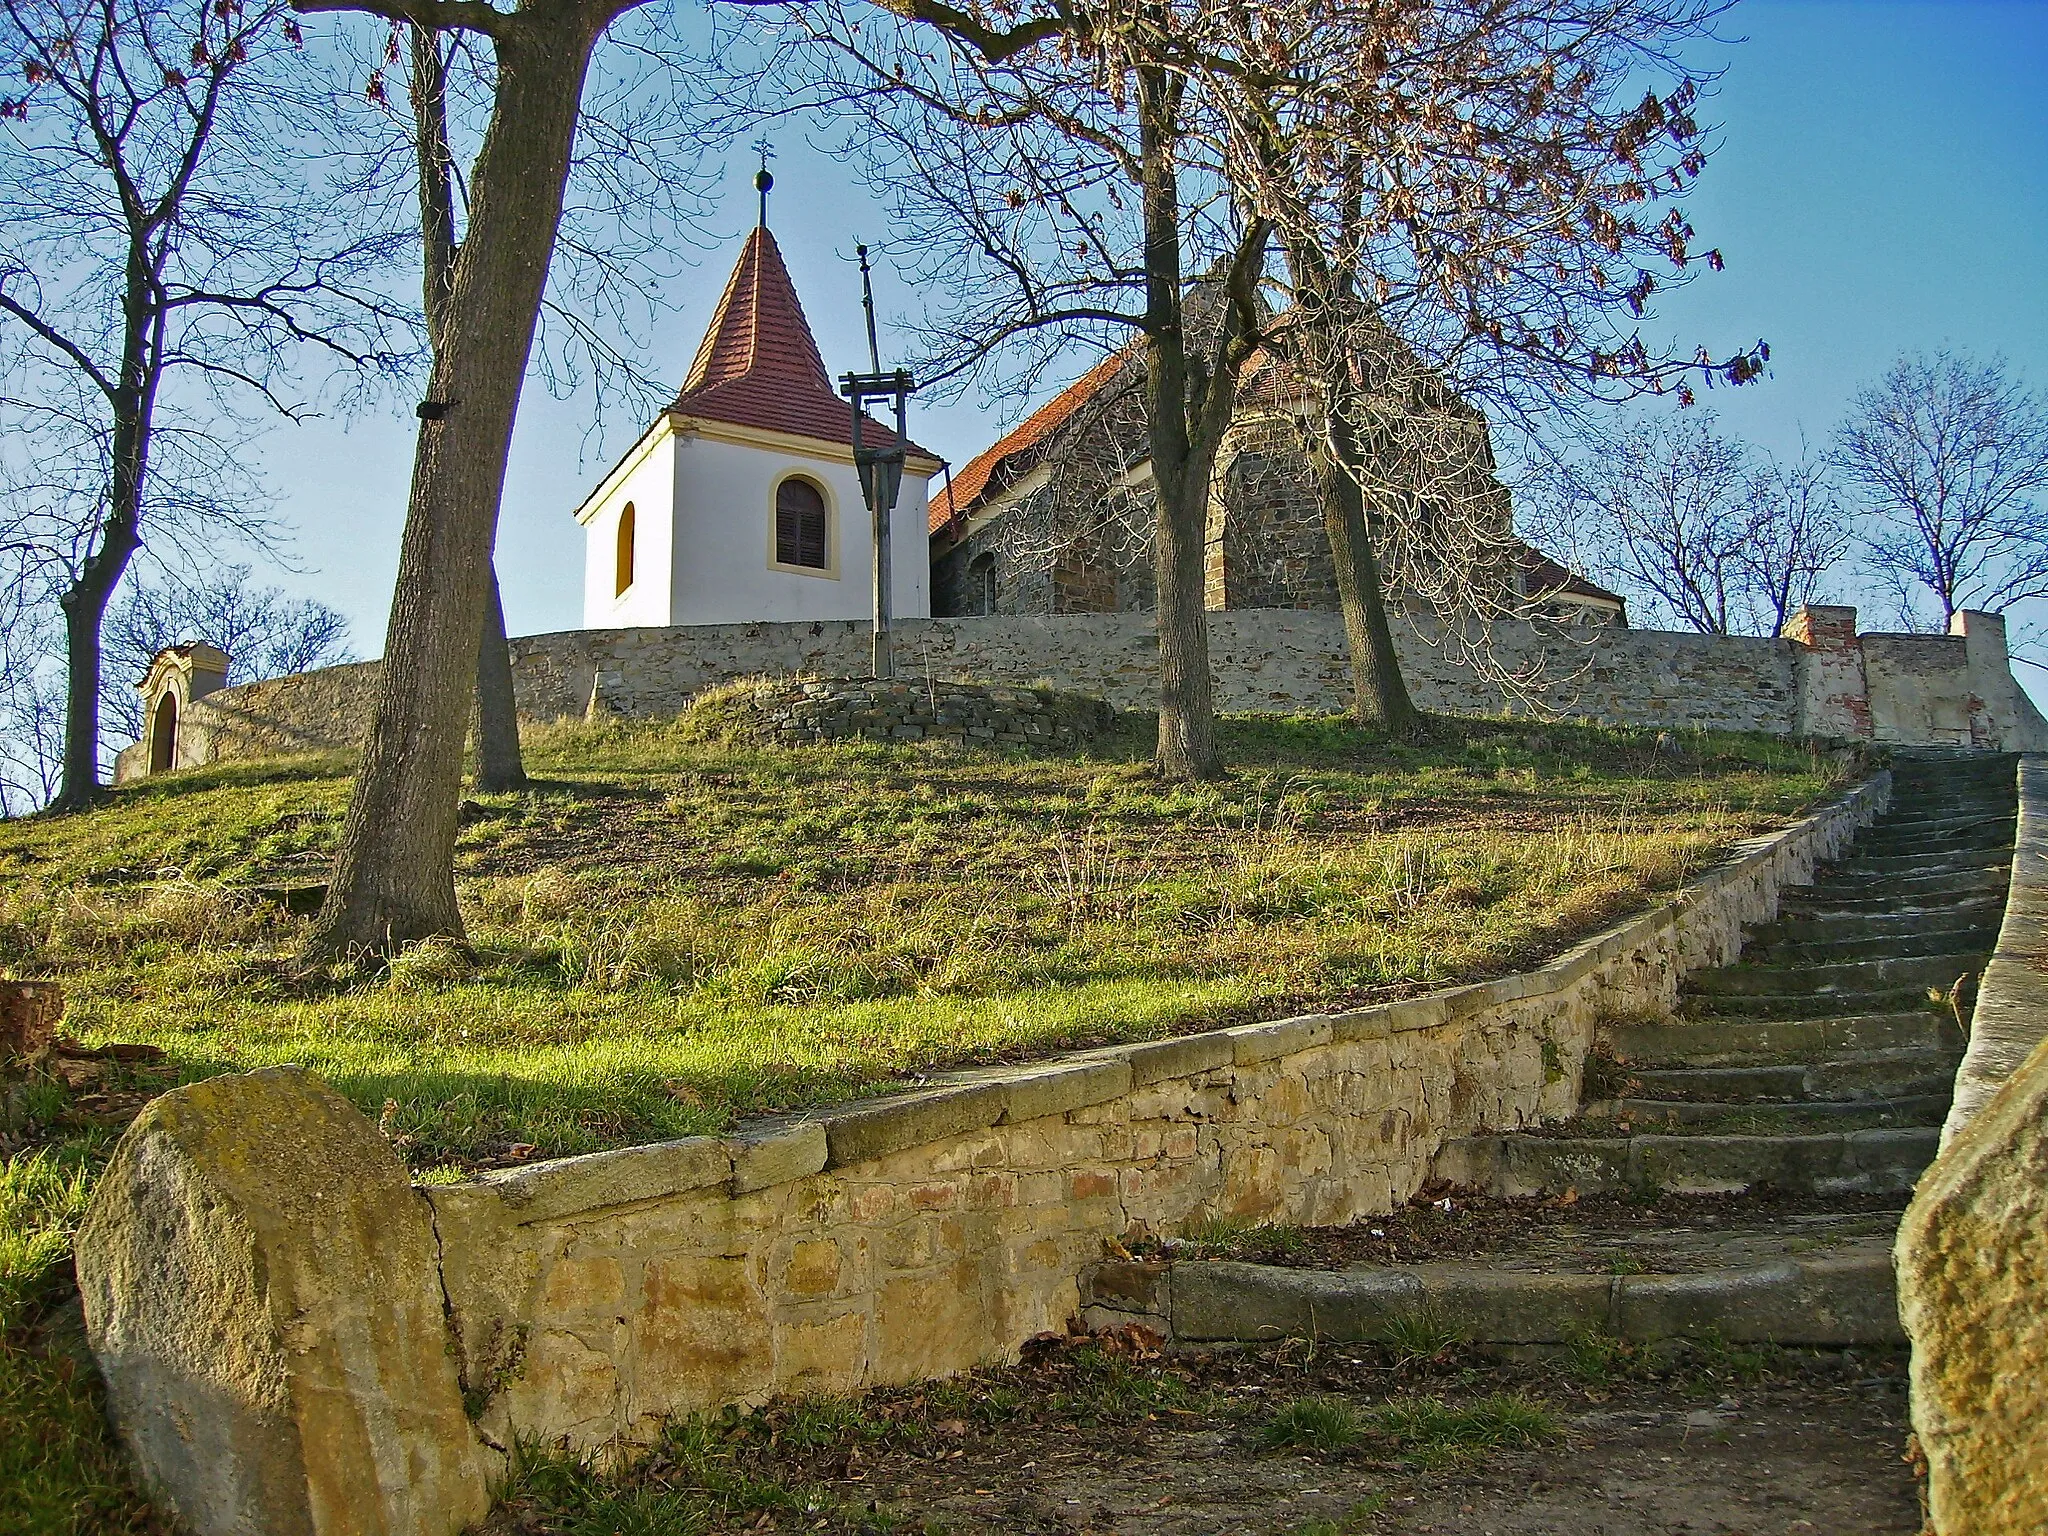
(976, 477)
(758, 365)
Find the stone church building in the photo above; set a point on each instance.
(740, 502)
(1054, 518)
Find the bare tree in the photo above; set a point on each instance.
(1045, 173)
(499, 765)
(1799, 534)
(1466, 195)
(1950, 457)
(393, 879)
(31, 697)
(1692, 525)
(154, 233)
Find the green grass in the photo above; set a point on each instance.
(668, 934)
(60, 1474)
(1428, 1432)
(1330, 1425)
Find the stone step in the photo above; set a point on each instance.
(1847, 978)
(1907, 891)
(2000, 811)
(1927, 817)
(1900, 945)
(1788, 1006)
(1922, 864)
(1691, 1117)
(1989, 838)
(1978, 912)
(1725, 1042)
(1877, 899)
(1881, 1074)
(1872, 1162)
(1818, 1289)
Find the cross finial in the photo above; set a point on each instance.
(762, 180)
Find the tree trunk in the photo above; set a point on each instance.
(499, 767)
(85, 601)
(1180, 482)
(84, 605)
(394, 880)
(1378, 690)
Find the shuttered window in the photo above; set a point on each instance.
(800, 525)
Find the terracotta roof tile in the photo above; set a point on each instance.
(758, 365)
(973, 482)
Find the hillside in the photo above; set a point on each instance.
(673, 929)
(670, 932)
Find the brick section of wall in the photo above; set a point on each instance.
(917, 1236)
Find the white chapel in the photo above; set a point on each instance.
(741, 502)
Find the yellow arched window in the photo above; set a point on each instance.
(623, 570)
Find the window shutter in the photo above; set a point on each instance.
(800, 533)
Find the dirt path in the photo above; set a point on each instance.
(1771, 1458)
(1112, 1438)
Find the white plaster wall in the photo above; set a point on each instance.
(649, 483)
(724, 537)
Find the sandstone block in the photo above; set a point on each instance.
(261, 1293)
(775, 1155)
(910, 1120)
(1972, 1260)
(1254, 1043)
(704, 1335)
(1184, 1057)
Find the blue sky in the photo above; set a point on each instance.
(1881, 186)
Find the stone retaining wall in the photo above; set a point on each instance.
(798, 710)
(922, 1234)
(292, 1336)
(2011, 1013)
(1824, 681)
(1972, 1251)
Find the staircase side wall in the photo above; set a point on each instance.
(917, 1236)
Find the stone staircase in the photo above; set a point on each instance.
(1740, 1169)
(1821, 1063)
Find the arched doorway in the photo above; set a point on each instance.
(163, 733)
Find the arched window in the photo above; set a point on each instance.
(623, 570)
(163, 733)
(800, 525)
(981, 584)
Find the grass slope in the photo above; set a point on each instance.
(674, 928)
(669, 934)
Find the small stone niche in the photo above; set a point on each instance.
(799, 711)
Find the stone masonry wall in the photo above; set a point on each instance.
(1262, 660)
(1923, 688)
(920, 1235)
(831, 709)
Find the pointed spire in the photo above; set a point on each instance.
(758, 328)
(764, 183)
(758, 365)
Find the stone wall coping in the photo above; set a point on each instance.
(758, 1154)
(2011, 1016)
